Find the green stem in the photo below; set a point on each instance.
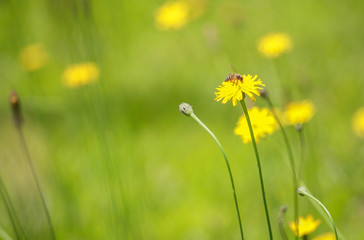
(228, 166)
(26, 151)
(292, 163)
(7, 203)
(302, 144)
(303, 192)
(281, 223)
(259, 167)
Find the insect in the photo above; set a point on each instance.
(234, 76)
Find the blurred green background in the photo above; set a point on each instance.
(116, 159)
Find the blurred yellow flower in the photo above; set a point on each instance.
(358, 123)
(263, 124)
(236, 86)
(80, 74)
(325, 236)
(305, 225)
(299, 112)
(274, 44)
(33, 57)
(172, 15)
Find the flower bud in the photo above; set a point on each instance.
(301, 191)
(263, 92)
(15, 107)
(186, 109)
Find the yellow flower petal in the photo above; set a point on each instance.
(305, 225)
(172, 15)
(235, 89)
(33, 57)
(299, 112)
(274, 44)
(263, 123)
(358, 123)
(325, 236)
(80, 74)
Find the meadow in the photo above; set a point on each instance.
(115, 158)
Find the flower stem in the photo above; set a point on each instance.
(228, 166)
(259, 167)
(302, 144)
(303, 192)
(26, 151)
(281, 223)
(292, 163)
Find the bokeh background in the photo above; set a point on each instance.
(116, 159)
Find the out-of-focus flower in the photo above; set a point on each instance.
(236, 86)
(274, 44)
(305, 225)
(172, 15)
(325, 236)
(80, 74)
(299, 112)
(232, 13)
(263, 123)
(33, 57)
(358, 123)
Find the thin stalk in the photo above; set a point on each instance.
(228, 167)
(281, 222)
(259, 167)
(303, 192)
(292, 163)
(7, 203)
(26, 151)
(302, 145)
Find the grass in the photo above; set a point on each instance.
(116, 159)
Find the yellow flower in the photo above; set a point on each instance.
(80, 74)
(236, 86)
(274, 44)
(172, 15)
(33, 57)
(299, 112)
(325, 236)
(305, 225)
(263, 124)
(358, 123)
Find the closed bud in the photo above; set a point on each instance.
(15, 108)
(186, 109)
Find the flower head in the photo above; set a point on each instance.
(305, 225)
(263, 124)
(172, 15)
(186, 109)
(236, 86)
(299, 112)
(325, 236)
(33, 57)
(274, 44)
(80, 74)
(358, 123)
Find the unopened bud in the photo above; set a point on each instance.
(283, 209)
(301, 191)
(299, 127)
(263, 92)
(15, 108)
(186, 109)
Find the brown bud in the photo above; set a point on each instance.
(15, 108)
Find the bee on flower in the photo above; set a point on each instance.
(358, 123)
(305, 225)
(299, 112)
(236, 86)
(80, 74)
(274, 44)
(172, 15)
(263, 121)
(33, 57)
